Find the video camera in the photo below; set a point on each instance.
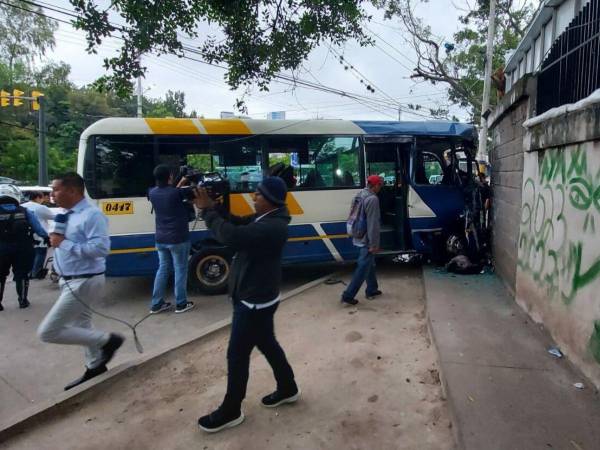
(215, 184)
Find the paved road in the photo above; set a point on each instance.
(31, 371)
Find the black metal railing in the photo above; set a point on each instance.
(571, 71)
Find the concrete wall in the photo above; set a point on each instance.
(506, 159)
(558, 276)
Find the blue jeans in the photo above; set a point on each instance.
(38, 261)
(171, 257)
(365, 270)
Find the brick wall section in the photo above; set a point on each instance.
(506, 158)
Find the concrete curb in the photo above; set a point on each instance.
(62, 401)
(456, 431)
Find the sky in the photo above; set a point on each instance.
(385, 66)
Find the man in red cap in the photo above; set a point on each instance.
(366, 238)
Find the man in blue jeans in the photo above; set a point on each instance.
(368, 244)
(172, 240)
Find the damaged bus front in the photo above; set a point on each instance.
(429, 201)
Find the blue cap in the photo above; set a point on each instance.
(273, 189)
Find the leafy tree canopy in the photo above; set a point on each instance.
(23, 35)
(260, 37)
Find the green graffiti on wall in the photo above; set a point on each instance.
(595, 341)
(557, 214)
(558, 226)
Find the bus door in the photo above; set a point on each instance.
(440, 180)
(388, 157)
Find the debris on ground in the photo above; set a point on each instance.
(555, 351)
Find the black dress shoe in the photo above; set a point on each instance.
(88, 375)
(109, 349)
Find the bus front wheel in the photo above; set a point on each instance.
(209, 271)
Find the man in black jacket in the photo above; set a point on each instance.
(254, 285)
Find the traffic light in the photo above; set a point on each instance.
(35, 103)
(4, 100)
(17, 101)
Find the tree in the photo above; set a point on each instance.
(24, 35)
(260, 37)
(460, 64)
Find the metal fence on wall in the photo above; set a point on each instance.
(571, 71)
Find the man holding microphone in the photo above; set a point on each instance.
(81, 244)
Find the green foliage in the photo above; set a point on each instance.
(23, 35)
(69, 111)
(260, 37)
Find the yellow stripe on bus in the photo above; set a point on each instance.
(239, 206)
(172, 126)
(294, 239)
(293, 206)
(122, 251)
(228, 126)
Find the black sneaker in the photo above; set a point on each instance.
(372, 295)
(24, 303)
(349, 301)
(278, 398)
(183, 308)
(162, 307)
(219, 420)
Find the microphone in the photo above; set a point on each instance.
(60, 224)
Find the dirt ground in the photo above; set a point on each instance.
(368, 376)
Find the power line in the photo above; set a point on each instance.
(293, 80)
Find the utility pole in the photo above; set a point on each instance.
(139, 91)
(399, 114)
(42, 155)
(487, 84)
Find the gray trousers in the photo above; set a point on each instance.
(69, 322)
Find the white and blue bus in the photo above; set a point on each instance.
(324, 162)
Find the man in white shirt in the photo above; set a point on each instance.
(43, 214)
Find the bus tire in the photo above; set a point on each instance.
(209, 271)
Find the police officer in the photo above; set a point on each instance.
(17, 226)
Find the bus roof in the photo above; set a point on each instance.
(433, 128)
(234, 126)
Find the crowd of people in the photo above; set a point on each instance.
(80, 240)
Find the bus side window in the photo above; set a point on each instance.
(239, 160)
(190, 151)
(428, 169)
(119, 166)
(315, 162)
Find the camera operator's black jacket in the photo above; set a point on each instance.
(256, 270)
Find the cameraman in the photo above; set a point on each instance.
(254, 286)
(172, 240)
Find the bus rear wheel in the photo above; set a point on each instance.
(209, 271)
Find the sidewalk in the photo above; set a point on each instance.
(504, 390)
(32, 371)
(368, 376)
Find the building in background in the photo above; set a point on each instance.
(276, 115)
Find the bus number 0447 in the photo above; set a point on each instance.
(113, 208)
